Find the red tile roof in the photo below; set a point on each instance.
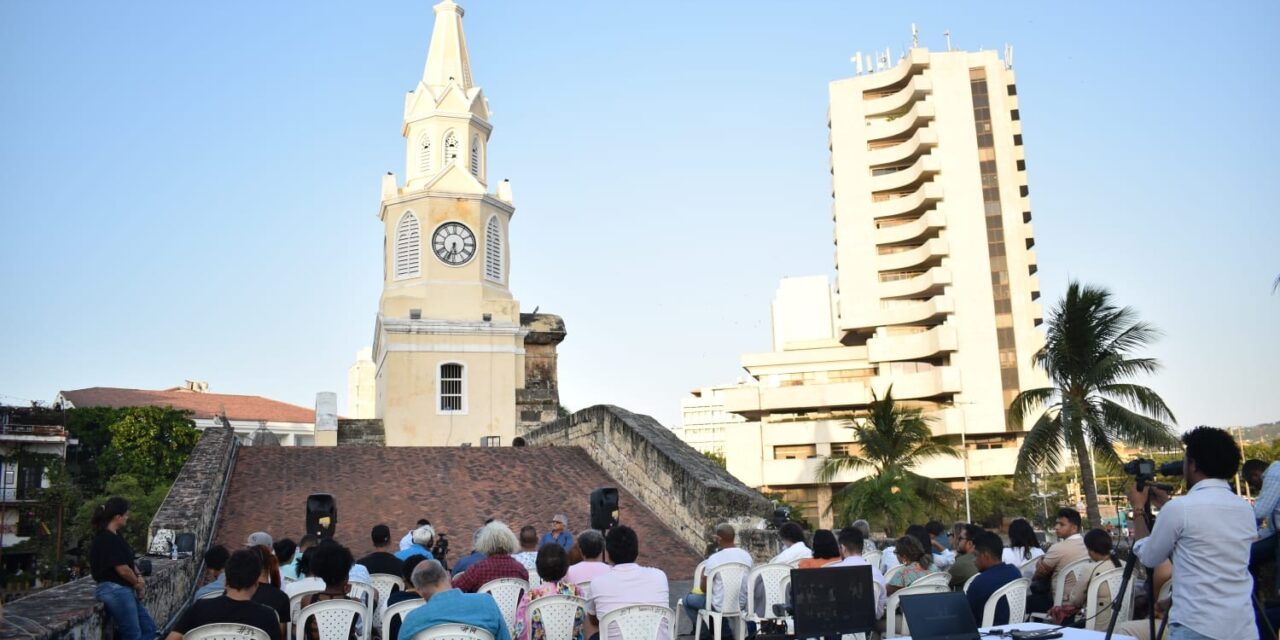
(201, 405)
(455, 488)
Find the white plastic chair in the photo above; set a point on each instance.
(937, 577)
(210, 595)
(1015, 593)
(888, 575)
(1111, 578)
(1060, 592)
(730, 576)
(1028, 568)
(775, 577)
(226, 631)
(891, 629)
(637, 622)
(384, 583)
(453, 632)
(333, 619)
(697, 580)
(585, 586)
(557, 614)
(295, 605)
(397, 610)
(506, 592)
(873, 558)
(968, 582)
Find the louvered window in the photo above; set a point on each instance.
(450, 148)
(451, 384)
(493, 250)
(475, 156)
(424, 154)
(408, 247)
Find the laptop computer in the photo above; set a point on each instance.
(832, 601)
(939, 616)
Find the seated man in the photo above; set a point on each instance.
(215, 560)
(381, 560)
(407, 540)
(850, 540)
(965, 565)
(591, 544)
(627, 583)
(445, 604)
(528, 554)
(1069, 548)
(728, 552)
(236, 604)
(993, 574)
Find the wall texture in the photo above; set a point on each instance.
(688, 492)
(70, 610)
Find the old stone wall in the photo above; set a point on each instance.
(70, 610)
(687, 491)
(538, 403)
(361, 433)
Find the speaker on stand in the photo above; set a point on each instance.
(604, 508)
(322, 515)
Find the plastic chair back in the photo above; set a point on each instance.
(1028, 568)
(333, 619)
(384, 584)
(888, 575)
(506, 592)
(1093, 592)
(397, 610)
(558, 614)
(226, 631)
(453, 632)
(1015, 593)
(873, 558)
(585, 587)
(937, 577)
(891, 606)
(1076, 569)
(774, 577)
(729, 576)
(638, 622)
(968, 582)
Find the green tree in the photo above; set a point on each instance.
(56, 506)
(890, 442)
(143, 504)
(151, 444)
(995, 500)
(716, 457)
(1091, 403)
(91, 427)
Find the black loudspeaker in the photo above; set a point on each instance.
(322, 515)
(604, 508)
(186, 543)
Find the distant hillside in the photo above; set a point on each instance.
(1259, 432)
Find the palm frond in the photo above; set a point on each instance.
(1135, 429)
(1028, 402)
(834, 465)
(1042, 446)
(1141, 398)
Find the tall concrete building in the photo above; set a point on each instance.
(935, 288)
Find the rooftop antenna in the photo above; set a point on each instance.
(857, 61)
(915, 36)
(868, 57)
(1008, 56)
(947, 34)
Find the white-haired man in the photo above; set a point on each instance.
(497, 543)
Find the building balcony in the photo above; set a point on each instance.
(920, 141)
(982, 463)
(919, 201)
(920, 115)
(915, 61)
(929, 283)
(934, 310)
(926, 223)
(9, 495)
(791, 471)
(915, 89)
(929, 253)
(754, 402)
(922, 169)
(915, 346)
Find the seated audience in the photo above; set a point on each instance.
(422, 538)
(889, 559)
(1069, 549)
(1098, 543)
(290, 573)
(407, 540)
(915, 561)
(851, 556)
(331, 563)
(559, 533)
(987, 549)
(409, 592)
(381, 560)
(826, 550)
(269, 592)
(446, 604)
(868, 545)
(793, 547)
(497, 543)
(475, 556)
(552, 565)
(626, 584)
(236, 604)
(215, 560)
(1023, 546)
(965, 565)
(528, 554)
(306, 581)
(591, 545)
(285, 550)
(728, 552)
(938, 536)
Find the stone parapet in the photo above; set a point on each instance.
(688, 492)
(361, 433)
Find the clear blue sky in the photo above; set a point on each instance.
(188, 190)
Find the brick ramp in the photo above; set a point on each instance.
(455, 488)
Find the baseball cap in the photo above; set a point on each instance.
(258, 538)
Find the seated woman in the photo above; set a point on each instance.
(552, 565)
(331, 562)
(916, 563)
(1023, 547)
(1098, 543)
(497, 542)
(825, 550)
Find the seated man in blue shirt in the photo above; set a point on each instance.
(993, 574)
(448, 605)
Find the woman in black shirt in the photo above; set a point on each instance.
(120, 588)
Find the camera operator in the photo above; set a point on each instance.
(1207, 532)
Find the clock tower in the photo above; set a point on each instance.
(448, 346)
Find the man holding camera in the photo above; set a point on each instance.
(1207, 532)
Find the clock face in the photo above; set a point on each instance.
(453, 243)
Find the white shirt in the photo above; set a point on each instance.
(628, 584)
(306, 584)
(793, 553)
(719, 558)
(1015, 557)
(407, 540)
(859, 561)
(1207, 532)
(889, 559)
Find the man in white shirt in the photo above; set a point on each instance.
(1207, 532)
(791, 537)
(627, 583)
(851, 556)
(729, 552)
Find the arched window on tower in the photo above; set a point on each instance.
(453, 388)
(475, 155)
(493, 249)
(424, 153)
(450, 148)
(408, 247)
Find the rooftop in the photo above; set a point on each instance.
(202, 405)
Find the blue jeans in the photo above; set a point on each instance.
(130, 616)
(1180, 632)
(693, 603)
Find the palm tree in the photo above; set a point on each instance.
(891, 441)
(1091, 403)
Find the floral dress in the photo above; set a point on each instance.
(909, 574)
(531, 629)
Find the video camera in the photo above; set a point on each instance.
(1145, 471)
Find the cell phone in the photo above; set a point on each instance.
(1045, 634)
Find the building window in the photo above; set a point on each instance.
(839, 449)
(452, 385)
(424, 154)
(795, 452)
(408, 247)
(475, 155)
(493, 250)
(450, 148)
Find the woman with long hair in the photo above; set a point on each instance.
(825, 550)
(120, 588)
(269, 592)
(915, 560)
(1023, 546)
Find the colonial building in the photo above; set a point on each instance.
(449, 343)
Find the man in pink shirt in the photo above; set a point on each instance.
(627, 583)
(591, 543)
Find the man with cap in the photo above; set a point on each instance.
(259, 538)
(559, 533)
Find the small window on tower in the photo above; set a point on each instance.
(493, 250)
(475, 155)
(451, 388)
(408, 247)
(424, 154)
(450, 148)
